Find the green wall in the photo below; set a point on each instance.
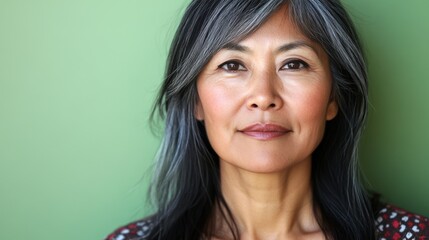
(77, 79)
(394, 153)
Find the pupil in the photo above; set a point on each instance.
(232, 66)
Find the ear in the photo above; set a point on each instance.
(199, 111)
(332, 110)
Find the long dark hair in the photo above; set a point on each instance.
(186, 185)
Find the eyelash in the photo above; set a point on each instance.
(301, 65)
(287, 66)
(225, 66)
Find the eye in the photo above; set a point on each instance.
(295, 64)
(232, 66)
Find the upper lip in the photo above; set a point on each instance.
(264, 127)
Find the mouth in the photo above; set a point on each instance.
(265, 131)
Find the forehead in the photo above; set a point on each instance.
(279, 20)
(279, 29)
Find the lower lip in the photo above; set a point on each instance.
(264, 135)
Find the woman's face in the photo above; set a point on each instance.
(265, 100)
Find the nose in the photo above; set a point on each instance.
(265, 93)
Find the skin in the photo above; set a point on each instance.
(278, 80)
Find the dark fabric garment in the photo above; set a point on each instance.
(392, 223)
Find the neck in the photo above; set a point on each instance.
(270, 205)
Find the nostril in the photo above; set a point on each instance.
(255, 105)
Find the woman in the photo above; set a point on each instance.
(264, 103)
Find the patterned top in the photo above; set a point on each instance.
(392, 223)
(398, 224)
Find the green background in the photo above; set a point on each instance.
(77, 80)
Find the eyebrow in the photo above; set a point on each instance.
(236, 47)
(296, 44)
(284, 48)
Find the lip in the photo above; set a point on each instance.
(262, 131)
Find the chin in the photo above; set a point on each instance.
(265, 165)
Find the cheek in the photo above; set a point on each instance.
(309, 119)
(216, 119)
(313, 105)
(310, 111)
(220, 106)
(315, 109)
(217, 102)
(213, 102)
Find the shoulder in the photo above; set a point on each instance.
(138, 230)
(395, 223)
